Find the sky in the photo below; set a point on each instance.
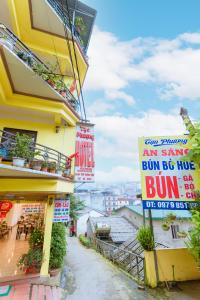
(144, 58)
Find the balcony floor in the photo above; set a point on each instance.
(8, 171)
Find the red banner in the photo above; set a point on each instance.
(5, 206)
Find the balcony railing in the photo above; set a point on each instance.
(40, 154)
(10, 40)
(63, 14)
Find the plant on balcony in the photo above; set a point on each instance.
(145, 238)
(7, 42)
(22, 150)
(80, 25)
(52, 167)
(44, 166)
(36, 164)
(61, 87)
(165, 226)
(27, 58)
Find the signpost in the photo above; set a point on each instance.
(168, 182)
(84, 162)
(61, 211)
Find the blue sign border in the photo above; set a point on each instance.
(168, 205)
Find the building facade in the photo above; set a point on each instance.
(43, 64)
(174, 236)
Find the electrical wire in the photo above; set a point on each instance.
(70, 54)
(73, 42)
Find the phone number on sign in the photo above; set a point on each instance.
(176, 205)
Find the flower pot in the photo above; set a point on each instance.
(165, 227)
(51, 83)
(18, 162)
(54, 272)
(27, 165)
(36, 165)
(44, 169)
(63, 94)
(31, 270)
(52, 170)
(59, 172)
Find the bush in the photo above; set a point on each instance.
(36, 238)
(84, 241)
(32, 259)
(145, 238)
(193, 243)
(58, 246)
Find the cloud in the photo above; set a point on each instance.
(117, 138)
(99, 107)
(172, 66)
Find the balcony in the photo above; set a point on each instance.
(78, 18)
(42, 163)
(28, 75)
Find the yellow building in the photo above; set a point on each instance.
(43, 64)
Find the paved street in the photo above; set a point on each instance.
(91, 277)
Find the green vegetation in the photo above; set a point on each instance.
(75, 206)
(84, 241)
(58, 246)
(193, 243)
(145, 238)
(23, 147)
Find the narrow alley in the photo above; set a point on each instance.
(91, 277)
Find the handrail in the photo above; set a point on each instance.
(19, 46)
(63, 14)
(129, 261)
(7, 144)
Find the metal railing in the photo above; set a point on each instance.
(10, 40)
(63, 14)
(39, 152)
(130, 262)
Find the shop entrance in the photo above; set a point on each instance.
(17, 222)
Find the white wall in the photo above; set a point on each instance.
(82, 221)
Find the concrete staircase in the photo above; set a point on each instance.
(27, 291)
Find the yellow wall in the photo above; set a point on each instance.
(185, 267)
(40, 41)
(64, 141)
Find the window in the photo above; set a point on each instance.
(175, 230)
(6, 130)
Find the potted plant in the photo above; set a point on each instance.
(44, 166)
(36, 164)
(171, 217)
(52, 167)
(31, 261)
(27, 58)
(58, 248)
(5, 40)
(165, 226)
(2, 153)
(60, 170)
(80, 25)
(67, 172)
(145, 238)
(182, 234)
(22, 149)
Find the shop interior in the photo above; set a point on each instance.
(16, 225)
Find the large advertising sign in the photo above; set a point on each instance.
(61, 211)
(168, 182)
(84, 162)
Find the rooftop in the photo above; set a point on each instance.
(121, 229)
(159, 214)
